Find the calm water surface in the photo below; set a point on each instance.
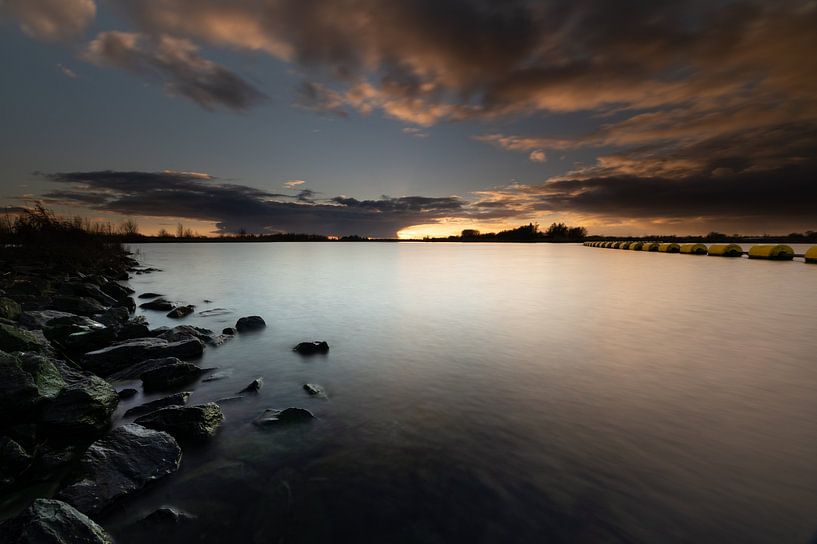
(497, 393)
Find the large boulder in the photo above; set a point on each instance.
(181, 332)
(134, 372)
(52, 522)
(16, 339)
(25, 384)
(108, 360)
(114, 317)
(78, 334)
(88, 290)
(190, 423)
(83, 407)
(117, 291)
(134, 328)
(250, 323)
(9, 309)
(176, 399)
(120, 464)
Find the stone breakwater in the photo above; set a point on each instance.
(67, 338)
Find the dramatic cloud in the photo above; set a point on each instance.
(55, 20)
(176, 62)
(234, 207)
(426, 60)
(537, 155)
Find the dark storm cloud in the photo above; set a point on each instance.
(176, 63)
(233, 207)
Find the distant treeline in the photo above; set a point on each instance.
(557, 232)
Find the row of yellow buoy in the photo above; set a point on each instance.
(778, 252)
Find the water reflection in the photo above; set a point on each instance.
(499, 393)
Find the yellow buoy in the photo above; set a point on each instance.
(693, 249)
(624, 245)
(725, 250)
(778, 252)
(649, 246)
(636, 246)
(811, 255)
(669, 248)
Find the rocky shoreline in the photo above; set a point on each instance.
(68, 339)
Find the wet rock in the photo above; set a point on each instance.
(250, 323)
(83, 407)
(52, 522)
(181, 311)
(177, 399)
(311, 348)
(194, 423)
(314, 389)
(254, 387)
(117, 291)
(215, 376)
(287, 415)
(149, 295)
(9, 309)
(120, 464)
(227, 400)
(77, 305)
(181, 332)
(13, 461)
(167, 516)
(78, 334)
(135, 371)
(113, 317)
(25, 385)
(87, 290)
(134, 328)
(127, 393)
(37, 319)
(229, 331)
(171, 376)
(108, 360)
(159, 304)
(15, 339)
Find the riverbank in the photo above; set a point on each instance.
(69, 340)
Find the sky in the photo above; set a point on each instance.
(412, 117)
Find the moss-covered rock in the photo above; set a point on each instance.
(9, 309)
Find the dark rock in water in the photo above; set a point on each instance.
(176, 399)
(217, 376)
(134, 328)
(108, 360)
(226, 400)
(38, 319)
(13, 461)
(213, 312)
(52, 522)
(229, 331)
(187, 423)
(83, 407)
(287, 415)
(78, 334)
(311, 348)
(181, 311)
(181, 332)
(167, 515)
(149, 295)
(133, 372)
(51, 460)
(14, 339)
(9, 309)
(78, 305)
(127, 393)
(159, 304)
(25, 385)
(170, 376)
(250, 323)
(87, 290)
(113, 317)
(120, 464)
(314, 389)
(254, 387)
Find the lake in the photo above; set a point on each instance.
(496, 393)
